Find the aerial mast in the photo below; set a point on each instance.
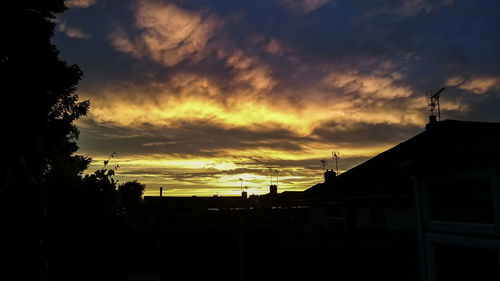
(271, 170)
(433, 101)
(277, 173)
(335, 155)
(323, 164)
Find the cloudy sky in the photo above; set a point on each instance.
(194, 95)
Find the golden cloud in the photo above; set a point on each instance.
(188, 97)
(80, 3)
(368, 85)
(167, 33)
(72, 32)
(248, 70)
(476, 85)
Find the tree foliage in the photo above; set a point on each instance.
(39, 167)
(131, 196)
(40, 91)
(72, 221)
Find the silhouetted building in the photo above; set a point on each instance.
(457, 194)
(447, 179)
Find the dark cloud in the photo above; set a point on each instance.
(363, 133)
(188, 139)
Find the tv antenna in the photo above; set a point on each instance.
(277, 173)
(336, 156)
(433, 101)
(323, 164)
(271, 170)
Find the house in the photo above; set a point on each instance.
(439, 190)
(458, 203)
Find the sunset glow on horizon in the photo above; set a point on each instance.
(195, 95)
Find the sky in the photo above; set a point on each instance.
(201, 97)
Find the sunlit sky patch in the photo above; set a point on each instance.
(196, 95)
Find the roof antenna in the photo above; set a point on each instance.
(271, 170)
(433, 100)
(336, 156)
(323, 164)
(277, 174)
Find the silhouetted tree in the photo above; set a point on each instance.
(39, 89)
(40, 106)
(98, 193)
(131, 196)
(97, 252)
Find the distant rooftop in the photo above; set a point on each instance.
(444, 145)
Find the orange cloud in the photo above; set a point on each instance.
(80, 3)
(476, 85)
(368, 85)
(248, 70)
(274, 47)
(72, 32)
(167, 33)
(192, 98)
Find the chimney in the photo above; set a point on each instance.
(432, 122)
(161, 192)
(330, 176)
(273, 190)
